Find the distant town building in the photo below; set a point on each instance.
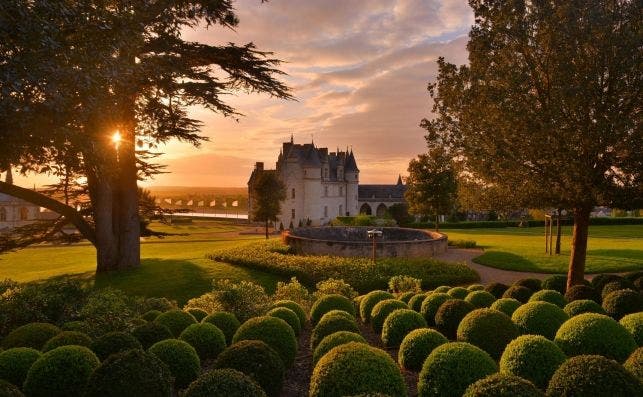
(15, 212)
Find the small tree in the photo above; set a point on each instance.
(268, 192)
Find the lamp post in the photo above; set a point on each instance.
(373, 235)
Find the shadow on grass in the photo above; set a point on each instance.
(635, 255)
(507, 260)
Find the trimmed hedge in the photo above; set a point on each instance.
(333, 340)
(67, 338)
(488, 329)
(532, 357)
(592, 333)
(205, 338)
(600, 280)
(181, 358)
(539, 318)
(415, 303)
(480, 299)
(578, 292)
(332, 322)
(449, 315)
(431, 304)
(257, 360)
(475, 287)
(275, 332)
(288, 316)
(557, 282)
(398, 324)
(506, 305)
(330, 302)
(226, 322)
(616, 285)
(15, 363)
(581, 306)
(114, 342)
(356, 368)
(295, 307)
(633, 323)
(198, 314)
(533, 284)
(416, 347)
(151, 315)
(619, 303)
(382, 309)
(451, 368)
(502, 385)
(443, 289)
(176, 321)
(458, 292)
(33, 335)
(224, 382)
(519, 293)
(150, 333)
(496, 289)
(9, 390)
(370, 300)
(549, 295)
(406, 296)
(634, 364)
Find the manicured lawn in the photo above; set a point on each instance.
(610, 248)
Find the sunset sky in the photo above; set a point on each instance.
(359, 71)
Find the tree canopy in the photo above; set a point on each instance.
(268, 191)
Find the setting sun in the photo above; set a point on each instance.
(116, 138)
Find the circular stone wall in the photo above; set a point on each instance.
(354, 241)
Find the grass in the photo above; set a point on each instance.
(617, 248)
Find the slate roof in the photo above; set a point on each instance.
(393, 193)
(309, 156)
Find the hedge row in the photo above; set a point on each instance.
(517, 223)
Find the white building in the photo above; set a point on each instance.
(16, 212)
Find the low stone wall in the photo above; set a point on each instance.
(345, 241)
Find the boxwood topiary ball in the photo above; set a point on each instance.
(33, 335)
(197, 313)
(592, 333)
(506, 305)
(549, 295)
(557, 282)
(132, 373)
(295, 307)
(616, 285)
(489, 329)
(333, 321)
(63, 371)
(175, 320)
(532, 357)
(275, 332)
(369, 301)
(415, 303)
(634, 364)
(431, 304)
(634, 324)
(533, 284)
(633, 275)
(593, 375)
(205, 338)
(539, 318)
(355, 368)
(451, 368)
(622, 302)
(519, 293)
(15, 363)
(9, 390)
(638, 283)
(151, 315)
(458, 292)
(496, 289)
(480, 299)
(583, 306)
(114, 342)
(80, 326)
(502, 385)
(382, 309)
(257, 360)
(181, 358)
(578, 292)
(226, 322)
(475, 287)
(416, 347)
(67, 338)
(333, 340)
(443, 289)
(224, 382)
(150, 333)
(599, 281)
(288, 316)
(330, 302)
(398, 324)
(449, 315)
(406, 296)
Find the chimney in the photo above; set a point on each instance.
(259, 166)
(9, 178)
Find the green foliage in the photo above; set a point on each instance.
(398, 324)
(616, 285)
(131, 373)
(295, 307)
(9, 390)
(601, 280)
(532, 357)
(66, 338)
(369, 301)
(355, 368)
(416, 300)
(333, 286)
(557, 282)
(175, 320)
(15, 363)
(62, 372)
(496, 289)
(181, 358)
(268, 190)
(480, 298)
(580, 306)
(153, 303)
(449, 315)
(114, 342)
(150, 333)
(333, 340)
(634, 364)
(275, 332)
(462, 243)
(442, 289)
(288, 316)
(475, 287)
(549, 295)
(33, 335)
(257, 360)
(622, 302)
(592, 333)
(226, 322)
(519, 293)
(107, 310)
(244, 299)
(401, 283)
(578, 292)
(533, 284)
(502, 385)
(539, 318)
(198, 314)
(330, 302)
(488, 329)
(330, 323)
(506, 305)
(458, 292)
(593, 375)
(205, 338)
(416, 347)
(294, 291)
(151, 315)
(224, 382)
(382, 309)
(451, 368)
(431, 304)
(406, 296)
(634, 324)
(75, 325)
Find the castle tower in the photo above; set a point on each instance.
(351, 175)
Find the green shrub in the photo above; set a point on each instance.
(496, 289)
(224, 382)
(463, 243)
(533, 284)
(114, 342)
(519, 293)
(132, 373)
(107, 310)
(592, 333)
(599, 281)
(488, 329)
(9, 390)
(288, 316)
(451, 368)
(398, 324)
(356, 368)
(332, 286)
(330, 302)
(634, 324)
(458, 292)
(226, 322)
(539, 318)
(370, 300)
(275, 332)
(151, 315)
(532, 357)
(295, 307)
(475, 287)
(332, 322)
(622, 302)
(480, 298)
(578, 292)
(67, 338)
(415, 303)
(443, 289)
(382, 310)
(581, 306)
(416, 347)
(76, 325)
(449, 315)
(181, 358)
(205, 338)
(638, 283)
(557, 282)
(63, 372)
(33, 335)
(15, 363)
(502, 385)
(401, 283)
(616, 285)
(257, 360)
(549, 295)
(153, 303)
(175, 320)
(634, 364)
(506, 305)
(149, 334)
(198, 314)
(431, 304)
(333, 340)
(406, 296)
(589, 376)
(244, 299)
(632, 276)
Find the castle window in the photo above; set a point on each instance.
(292, 213)
(24, 214)
(341, 192)
(325, 191)
(293, 193)
(3, 214)
(325, 211)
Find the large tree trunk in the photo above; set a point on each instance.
(576, 272)
(102, 197)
